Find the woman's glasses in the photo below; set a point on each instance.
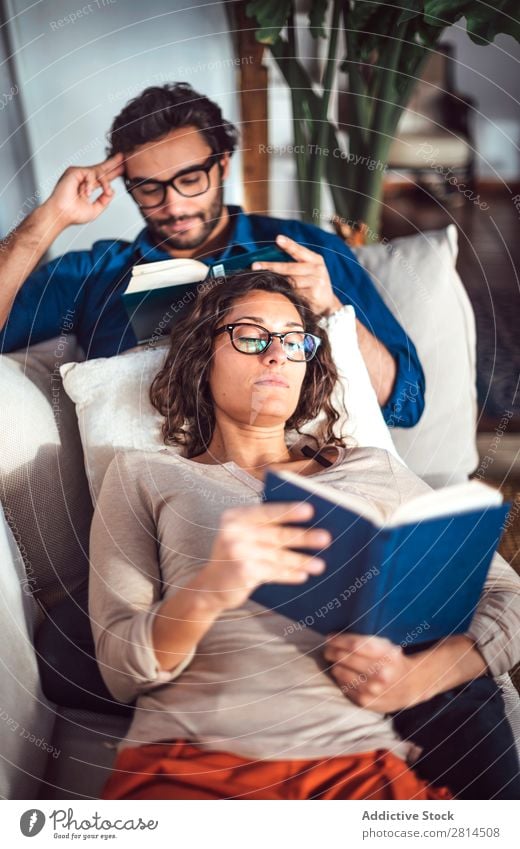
(298, 345)
(188, 183)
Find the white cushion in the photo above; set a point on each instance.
(361, 422)
(113, 409)
(115, 414)
(417, 279)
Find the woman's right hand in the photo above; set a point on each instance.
(254, 545)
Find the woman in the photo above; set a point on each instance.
(228, 703)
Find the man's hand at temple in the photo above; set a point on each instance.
(70, 203)
(72, 199)
(310, 277)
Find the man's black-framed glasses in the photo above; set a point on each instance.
(298, 345)
(188, 183)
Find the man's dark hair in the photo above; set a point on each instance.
(160, 109)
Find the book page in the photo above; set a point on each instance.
(461, 498)
(165, 265)
(184, 271)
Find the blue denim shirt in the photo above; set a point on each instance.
(80, 293)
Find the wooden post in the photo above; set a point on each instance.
(252, 87)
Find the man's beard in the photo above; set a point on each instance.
(184, 241)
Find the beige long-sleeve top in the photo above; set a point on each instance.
(252, 686)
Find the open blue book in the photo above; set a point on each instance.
(160, 293)
(415, 577)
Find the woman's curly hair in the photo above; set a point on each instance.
(181, 390)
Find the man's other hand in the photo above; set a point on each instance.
(308, 275)
(71, 200)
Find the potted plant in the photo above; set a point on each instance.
(381, 48)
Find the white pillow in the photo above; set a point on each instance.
(416, 277)
(361, 422)
(113, 409)
(115, 414)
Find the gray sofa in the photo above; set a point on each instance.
(51, 752)
(45, 751)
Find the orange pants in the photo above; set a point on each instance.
(183, 771)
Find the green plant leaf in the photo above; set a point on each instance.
(369, 35)
(484, 24)
(317, 14)
(360, 13)
(271, 17)
(443, 13)
(484, 21)
(410, 9)
(426, 34)
(412, 58)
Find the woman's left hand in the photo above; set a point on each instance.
(376, 674)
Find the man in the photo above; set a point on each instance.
(173, 148)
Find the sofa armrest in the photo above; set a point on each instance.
(27, 719)
(43, 487)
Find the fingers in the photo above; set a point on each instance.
(89, 181)
(112, 160)
(376, 659)
(313, 538)
(260, 541)
(292, 567)
(283, 566)
(258, 529)
(286, 268)
(366, 646)
(363, 678)
(294, 271)
(360, 688)
(301, 275)
(101, 175)
(308, 275)
(111, 167)
(105, 185)
(297, 251)
(261, 563)
(304, 284)
(102, 201)
(88, 178)
(375, 667)
(90, 184)
(275, 538)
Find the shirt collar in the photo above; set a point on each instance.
(241, 240)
